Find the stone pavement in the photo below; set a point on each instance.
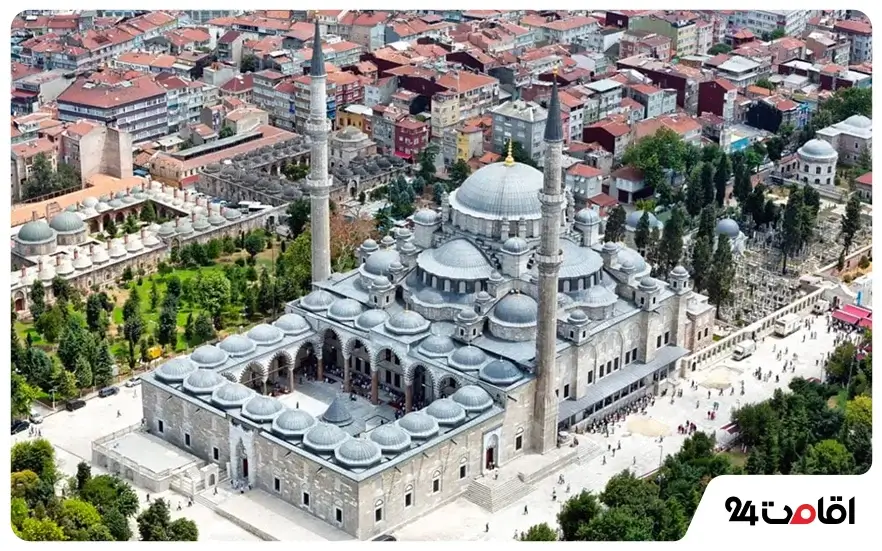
(641, 450)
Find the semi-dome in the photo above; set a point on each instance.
(472, 398)
(446, 412)
(426, 217)
(467, 358)
(498, 191)
(265, 334)
(577, 261)
(231, 395)
(337, 413)
(36, 231)
(501, 373)
(380, 262)
(437, 346)
(728, 227)
(175, 370)
(598, 296)
(324, 437)
(588, 217)
(292, 324)
(457, 259)
(627, 255)
(515, 245)
(208, 356)
(516, 309)
(633, 219)
(817, 150)
(429, 295)
(293, 423)
(418, 425)
(371, 319)
(358, 453)
(237, 345)
(262, 409)
(390, 438)
(66, 222)
(407, 322)
(203, 381)
(345, 309)
(317, 300)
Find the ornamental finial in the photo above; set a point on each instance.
(509, 161)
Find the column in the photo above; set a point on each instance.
(347, 374)
(263, 387)
(375, 387)
(291, 379)
(320, 368)
(408, 397)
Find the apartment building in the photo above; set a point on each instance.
(523, 122)
(718, 97)
(652, 45)
(608, 94)
(792, 22)
(23, 156)
(184, 101)
(411, 137)
(137, 105)
(383, 126)
(464, 95)
(680, 27)
(860, 33)
(740, 71)
(655, 101)
(561, 31)
(32, 91)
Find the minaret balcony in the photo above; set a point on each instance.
(318, 127)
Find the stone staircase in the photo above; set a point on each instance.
(495, 495)
(587, 452)
(565, 458)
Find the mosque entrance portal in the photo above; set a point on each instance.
(245, 467)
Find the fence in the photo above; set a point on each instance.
(101, 447)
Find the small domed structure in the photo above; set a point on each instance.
(577, 317)
(418, 425)
(407, 322)
(380, 262)
(237, 346)
(203, 381)
(371, 319)
(679, 271)
(262, 409)
(391, 438)
(357, 453)
(446, 412)
(648, 284)
(467, 358)
(208, 356)
(515, 245)
(501, 373)
(292, 324)
(473, 398)
(231, 395)
(426, 217)
(345, 309)
(633, 220)
(516, 309)
(265, 334)
(175, 370)
(324, 438)
(317, 300)
(67, 222)
(36, 231)
(292, 423)
(588, 217)
(437, 346)
(728, 227)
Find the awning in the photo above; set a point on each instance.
(845, 318)
(866, 323)
(856, 311)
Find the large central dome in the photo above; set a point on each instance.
(499, 191)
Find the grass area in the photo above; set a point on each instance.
(735, 457)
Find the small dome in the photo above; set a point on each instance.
(47, 273)
(599, 296)
(82, 261)
(426, 217)
(577, 317)
(65, 267)
(516, 309)
(216, 220)
(387, 241)
(100, 256)
(134, 245)
(208, 356)
(358, 453)
(262, 409)
(418, 425)
(588, 217)
(90, 202)
(102, 207)
(231, 395)
(381, 283)
(324, 437)
(446, 412)
(429, 295)
(115, 203)
(473, 398)
(407, 322)
(292, 324)
(167, 229)
(265, 334)
(66, 222)
(345, 309)
(515, 245)
(390, 438)
(337, 413)
(185, 228)
(380, 262)
(203, 381)
(371, 319)
(237, 345)
(859, 121)
(36, 231)
(117, 250)
(483, 296)
(633, 219)
(728, 227)
(817, 150)
(467, 358)
(317, 300)
(232, 214)
(630, 255)
(201, 224)
(467, 315)
(151, 240)
(437, 346)
(648, 284)
(293, 423)
(369, 245)
(495, 276)
(175, 370)
(501, 373)
(679, 271)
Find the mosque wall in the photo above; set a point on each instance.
(517, 422)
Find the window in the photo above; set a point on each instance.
(215, 453)
(378, 514)
(590, 377)
(667, 337)
(305, 499)
(658, 341)
(187, 440)
(160, 426)
(829, 169)
(277, 484)
(338, 514)
(615, 364)
(705, 331)
(817, 170)
(566, 391)
(436, 485)
(519, 442)
(627, 357)
(408, 499)
(602, 368)
(462, 471)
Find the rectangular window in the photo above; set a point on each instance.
(566, 391)
(519, 442)
(436, 485)
(338, 514)
(305, 499)
(609, 365)
(634, 355)
(602, 368)
(378, 514)
(462, 471)
(667, 337)
(615, 364)
(277, 484)
(658, 341)
(590, 377)
(187, 440)
(627, 357)
(215, 453)
(160, 426)
(408, 499)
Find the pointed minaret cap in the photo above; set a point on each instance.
(317, 64)
(553, 124)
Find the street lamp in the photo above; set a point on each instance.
(660, 455)
(52, 392)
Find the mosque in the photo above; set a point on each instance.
(471, 341)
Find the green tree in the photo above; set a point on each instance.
(615, 225)
(576, 512)
(79, 520)
(266, 296)
(642, 233)
(619, 524)
(96, 315)
(765, 83)
(670, 249)
(167, 330)
(108, 493)
(23, 396)
(774, 148)
(254, 243)
(131, 224)
(702, 261)
(72, 349)
(298, 216)
(84, 474)
(83, 372)
(154, 524)
(849, 101)
(65, 383)
(827, 457)
(102, 367)
(458, 173)
(110, 228)
(154, 296)
(539, 532)
(519, 154)
(117, 525)
(626, 490)
(721, 179)
(173, 288)
(792, 231)
(857, 431)
(426, 160)
(213, 293)
(133, 324)
(37, 299)
(203, 328)
(183, 529)
(19, 511)
(41, 179)
(34, 529)
(148, 212)
(865, 160)
(722, 273)
(226, 132)
(144, 350)
(37, 456)
(719, 48)
(850, 222)
(249, 64)
(742, 186)
(707, 222)
(37, 368)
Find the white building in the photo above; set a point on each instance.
(849, 138)
(792, 22)
(817, 163)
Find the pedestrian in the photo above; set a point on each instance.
(148, 498)
(525, 509)
(604, 460)
(620, 445)
(634, 461)
(487, 527)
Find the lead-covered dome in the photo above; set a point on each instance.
(380, 262)
(457, 259)
(36, 231)
(317, 300)
(265, 334)
(437, 346)
(467, 358)
(588, 217)
(817, 150)
(407, 322)
(418, 425)
(203, 381)
(358, 453)
(426, 217)
(292, 423)
(175, 370)
(345, 309)
(516, 309)
(231, 395)
(859, 121)
(324, 438)
(472, 398)
(501, 373)
(292, 324)
(390, 438)
(633, 219)
(728, 227)
(498, 191)
(66, 222)
(515, 245)
(208, 356)
(237, 345)
(446, 412)
(371, 319)
(262, 409)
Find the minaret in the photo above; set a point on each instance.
(545, 409)
(318, 127)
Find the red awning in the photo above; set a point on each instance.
(403, 156)
(845, 318)
(866, 323)
(856, 311)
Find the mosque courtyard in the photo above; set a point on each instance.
(72, 434)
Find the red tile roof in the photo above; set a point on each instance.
(854, 26)
(105, 96)
(584, 171)
(865, 179)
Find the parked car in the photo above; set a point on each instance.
(385, 537)
(108, 391)
(36, 418)
(74, 405)
(19, 425)
(134, 381)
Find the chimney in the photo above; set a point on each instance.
(177, 222)
(58, 260)
(76, 254)
(40, 266)
(193, 217)
(91, 249)
(143, 233)
(108, 245)
(126, 238)
(24, 271)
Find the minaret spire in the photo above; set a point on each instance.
(546, 406)
(318, 127)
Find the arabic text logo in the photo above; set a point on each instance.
(834, 513)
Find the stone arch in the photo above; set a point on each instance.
(332, 342)
(445, 385)
(377, 354)
(120, 218)
(281, 361)
(254, 376)
(230, 376)
(20, 301)
(305, 358)
(422, 379)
